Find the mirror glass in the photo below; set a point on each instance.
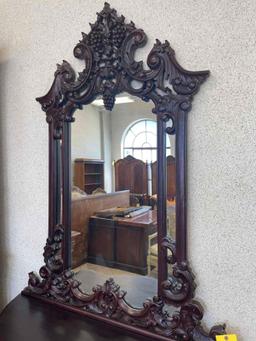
(114, 196)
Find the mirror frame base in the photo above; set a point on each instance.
(107, 302)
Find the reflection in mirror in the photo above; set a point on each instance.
(114, 196)
(171, 182)
(58, 184)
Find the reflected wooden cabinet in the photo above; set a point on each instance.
(121, 243)
(89, 174)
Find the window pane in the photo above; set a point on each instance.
(151, 139)
(127, 152)
(168, 151)
(139, 140)
(146, 145)
(153, 155)
(137, 154)
(142, 137)
(168, 143)
(151, 126)
(138, 127)
(146, 155)
(128, 139)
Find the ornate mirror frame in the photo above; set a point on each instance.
(110, 68)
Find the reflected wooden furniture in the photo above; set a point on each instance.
(82, 208)
(152, 252)
(152, 242)
(171, 177)
(131, 173)
(77, 243)
(89, 174)
(121, 242)
(134, 174)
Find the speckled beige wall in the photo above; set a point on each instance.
(207, 34)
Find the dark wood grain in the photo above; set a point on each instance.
(161, 201)
(66, 195)
(54, 174)
(29, 320)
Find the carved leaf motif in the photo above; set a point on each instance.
(108, 52)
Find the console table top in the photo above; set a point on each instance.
(30, 319)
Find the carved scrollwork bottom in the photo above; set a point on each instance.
(180, 286)
(108, 301)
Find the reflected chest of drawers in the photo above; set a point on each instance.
(121, 243)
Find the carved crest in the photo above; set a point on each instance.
(108, 52)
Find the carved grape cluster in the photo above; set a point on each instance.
(96, 40)
(118, 34)
(109, 101)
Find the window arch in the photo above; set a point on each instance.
(140, 141)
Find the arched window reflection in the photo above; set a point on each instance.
(140, 141)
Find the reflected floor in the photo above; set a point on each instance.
(138, 288)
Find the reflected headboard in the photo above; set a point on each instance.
(131, 174)
(171, 177)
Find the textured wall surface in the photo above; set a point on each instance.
(206, 34)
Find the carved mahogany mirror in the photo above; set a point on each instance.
(117, 239)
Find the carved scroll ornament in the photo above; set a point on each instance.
(108, 301)
(108, 52)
